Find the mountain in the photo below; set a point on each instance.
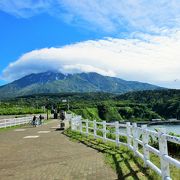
(55, 82)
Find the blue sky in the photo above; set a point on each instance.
(133, 39)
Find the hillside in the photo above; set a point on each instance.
(164, 102)
(99, 106)
(132, 106)
(55, 82)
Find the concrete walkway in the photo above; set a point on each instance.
(42, 153)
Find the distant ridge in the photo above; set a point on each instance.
(56, 82)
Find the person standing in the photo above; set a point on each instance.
(34, 121)
(62, 117)
(40, 119)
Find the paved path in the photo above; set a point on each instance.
(48, 155)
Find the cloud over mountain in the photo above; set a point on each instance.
(145, 42)
(153, 59)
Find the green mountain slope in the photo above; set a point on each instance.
(54, 82)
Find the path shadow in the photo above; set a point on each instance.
(59, 129)
(131, 172)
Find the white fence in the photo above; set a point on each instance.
(14, 121)
(135, 136)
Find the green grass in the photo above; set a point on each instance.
(88, 113)
(122, 160)
(18, 110)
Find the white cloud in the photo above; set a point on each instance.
(78, 68)
(107, 15)
(25, 9)
(153, 59)
(115, 15)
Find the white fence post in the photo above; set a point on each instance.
(104, 131)
(5, 123)
(135, 136)
(87, 130)
(95, 126)
(145, 140)
(72, 128)
(128, 127)
(80, 124)
(117, 133)
(163, 151)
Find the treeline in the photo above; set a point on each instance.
(164, 102)
(39, 102)
(11, 109)
(133, 106)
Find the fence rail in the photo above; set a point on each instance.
(4, 123)
(135, 136)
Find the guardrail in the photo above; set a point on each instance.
(135, 136)
(14, 121)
